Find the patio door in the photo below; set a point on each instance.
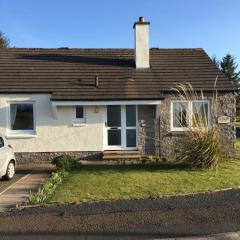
(121, 127)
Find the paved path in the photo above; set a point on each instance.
(5, 184)
(18, 192)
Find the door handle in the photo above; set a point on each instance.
(114, 128)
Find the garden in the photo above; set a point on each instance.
(201, 166)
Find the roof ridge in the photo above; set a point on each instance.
(65, 48)
(182, 49)
(97, 49)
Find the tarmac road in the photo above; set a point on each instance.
(195, 215)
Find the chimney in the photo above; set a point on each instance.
(141, 29)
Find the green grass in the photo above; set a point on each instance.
(95, 183)
(238, 144)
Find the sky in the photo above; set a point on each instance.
(210, 24)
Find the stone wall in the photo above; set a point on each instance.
(46, 157)
(146, 129)
(226, 106)
(171, 142)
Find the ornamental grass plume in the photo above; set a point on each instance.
(201, 146)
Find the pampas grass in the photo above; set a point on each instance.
(202, 146)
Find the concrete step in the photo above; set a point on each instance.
(120, 152)
(121, 157)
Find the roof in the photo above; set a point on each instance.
(70, 74)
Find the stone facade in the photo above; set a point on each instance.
(154, 132)
(227, 107)
(171, 142)
(46, 157)
(146, 129)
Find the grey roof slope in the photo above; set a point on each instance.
(69, 74)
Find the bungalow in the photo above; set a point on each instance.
(87, 102)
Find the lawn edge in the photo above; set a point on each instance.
(93, 202)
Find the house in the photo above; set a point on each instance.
(87, 101)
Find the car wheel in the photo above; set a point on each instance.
(10, 171)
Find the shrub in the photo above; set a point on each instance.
(202, 143)
(63, 162)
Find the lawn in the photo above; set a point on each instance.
(95, 183)
(238, 144)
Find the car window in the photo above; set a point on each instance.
(1, 142)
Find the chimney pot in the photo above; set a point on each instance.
(141, 19)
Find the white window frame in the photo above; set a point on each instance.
(11, 132)
(189, 114)
(124, 128)
(79, 120)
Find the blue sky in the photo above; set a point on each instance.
(210, 24)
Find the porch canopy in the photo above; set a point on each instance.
(56, 104)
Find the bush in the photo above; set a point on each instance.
(63, 162)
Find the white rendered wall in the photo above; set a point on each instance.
(142, 45)
(53, 135)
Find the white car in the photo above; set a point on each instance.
(7, 160)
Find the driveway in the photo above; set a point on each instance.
(27, 180)
(19, 174)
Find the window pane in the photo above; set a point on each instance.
(79, 112)
(114, 116)
(21, 116)
(114, 137)
(199, 114)
(131, 115)
(180, 114)
(1, 143)
(131, 137)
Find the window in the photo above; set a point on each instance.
(131, 125)
(180, 114)
(22, 117)
(200, 114)
(1, 142)
(192, 114)
(80, 113)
